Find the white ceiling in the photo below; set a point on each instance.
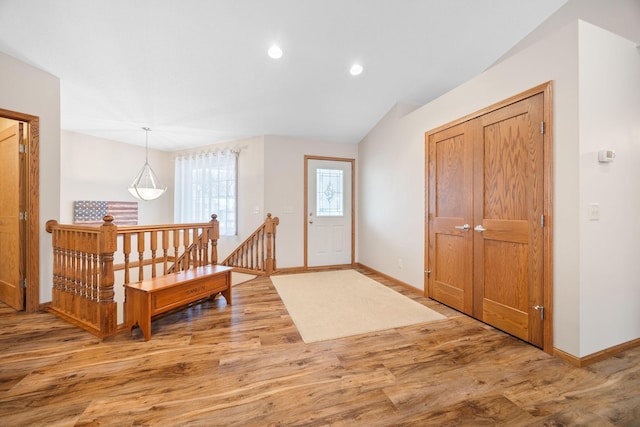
(197, 71)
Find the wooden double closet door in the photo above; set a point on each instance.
(488, 183)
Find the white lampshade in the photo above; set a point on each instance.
(146, 185)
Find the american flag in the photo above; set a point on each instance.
(90, 212)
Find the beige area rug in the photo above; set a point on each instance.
(335, 304)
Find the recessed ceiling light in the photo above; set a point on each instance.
(275, 52)
(356, 70)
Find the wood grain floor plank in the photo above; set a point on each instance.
(246, 365)
(488, 410)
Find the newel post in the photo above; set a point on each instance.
(270, 230)
(214, 235)
(108, 245)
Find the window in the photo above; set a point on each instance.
(205, 184)
(329, 194)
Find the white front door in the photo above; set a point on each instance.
(329, 212)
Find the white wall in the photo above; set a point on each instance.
(25, 89)
(391, 207)
(284, 189)
(596, 78)
(94, 168)
(99, 169)
(609, 81)
(270, 179)
(619, 16)
(393, 171)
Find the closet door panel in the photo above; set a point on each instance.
(508, 205)
(450, 217)
(506, 299)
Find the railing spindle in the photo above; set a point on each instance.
(165, 251)
(187, 252)
(194, 248)
(214, 235)
(126, 248)
(176, 246)
(154, 248)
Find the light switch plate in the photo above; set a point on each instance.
(594, 211)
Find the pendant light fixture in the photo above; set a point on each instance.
(146, 185)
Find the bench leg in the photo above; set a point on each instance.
(145, 327)
(137, 309)
(227, 294)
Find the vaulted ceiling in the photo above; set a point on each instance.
(197, 71)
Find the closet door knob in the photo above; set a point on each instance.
(480, 228)
(463, 227)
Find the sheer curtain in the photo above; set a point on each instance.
(205, 184)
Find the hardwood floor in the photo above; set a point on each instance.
(246, 365)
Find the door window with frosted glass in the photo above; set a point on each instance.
(329, 192)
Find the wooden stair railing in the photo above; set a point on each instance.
(183, 246)
(83, 264)
(257, 254)
(195, 254)
(84, 271)
(83, 275)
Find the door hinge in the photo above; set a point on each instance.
(22, 216)
(22, 148)
(541, 220)
(541, 309)
(428, 273)
(542, 128)
(23, 283)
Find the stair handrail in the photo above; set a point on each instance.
(83, 275)
(257, 254)
(83, 258)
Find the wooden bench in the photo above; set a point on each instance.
(150, 297)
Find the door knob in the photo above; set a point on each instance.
(480, 228)
(541, 308)
(463, 227)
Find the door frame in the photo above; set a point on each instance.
(547, 90)
(306, 205)
(32, 207)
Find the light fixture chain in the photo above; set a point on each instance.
(146, 144)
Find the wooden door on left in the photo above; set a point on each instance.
(12, 248)
(450, 278)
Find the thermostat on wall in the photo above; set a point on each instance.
(605, 156)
